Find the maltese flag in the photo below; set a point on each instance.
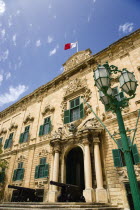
(70, 45)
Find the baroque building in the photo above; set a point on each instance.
(51, 134)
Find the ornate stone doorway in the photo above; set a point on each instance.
(75, 168)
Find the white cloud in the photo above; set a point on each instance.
(4, 55)
(3, 33)
(10, 21)
(89, 17)
(27, 43)
(13, 94)
(14, 38)
(18, 12)
(38, 43)
(2, 7)
(1, 78)
(50, 6)
(52, 52)
(7, 75)
(50, 39)
(126, 28)
(61, 69)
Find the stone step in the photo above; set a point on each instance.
(56, 206)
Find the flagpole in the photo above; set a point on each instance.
(77, 46)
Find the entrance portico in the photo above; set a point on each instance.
(73, 165)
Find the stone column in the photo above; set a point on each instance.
(53, 193)
(101, 194)
(56, 168)
(88, 192)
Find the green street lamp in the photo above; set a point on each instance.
(115, 103)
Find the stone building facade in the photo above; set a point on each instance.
(51, 134)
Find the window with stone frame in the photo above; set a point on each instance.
(1, 140)
(46, 127)
(118, 155)
(75, 111)
(2, 175)
(24, 137)
(42, 170)
(9, 141)
(19, 172)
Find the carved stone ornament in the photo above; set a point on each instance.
(48, 109)
(13, 126)
(28, 119)
(123, 173)
(43, 153)
(40, 184)
(3, 131)
(76, 59)
(92, 123)
(21, 158)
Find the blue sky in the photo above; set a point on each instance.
(33, 34)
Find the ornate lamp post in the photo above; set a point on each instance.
(128, 84)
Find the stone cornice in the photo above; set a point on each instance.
(39, 93)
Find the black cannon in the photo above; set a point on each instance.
(69, 193)
(23, 194)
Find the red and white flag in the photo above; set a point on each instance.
(70, 45)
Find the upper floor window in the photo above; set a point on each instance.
(2, 175)
(19, 172)
(25, 135)
(1, 140)
(46, 127)
(8, 142)
(42, 169)
(75, 112)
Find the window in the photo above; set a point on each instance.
(75, 112)
(1, 140)
(118, 155)
(8, 142)
(19, 172)
(46, 127)
(41, 170)
(2, 175)
(24, 136)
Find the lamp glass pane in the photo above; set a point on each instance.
(121, 79)
(125, 88)
(96, 74)
(104, 82)
(103, 72)
(126, 77)
(109, 91)
(133, 86)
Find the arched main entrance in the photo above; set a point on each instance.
(75, 168)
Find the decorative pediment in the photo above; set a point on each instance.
(48, 109)
(43, 153)
(76, 59)
(3, 131)
(13, 126)
(21, 158)
(28, 119)
(75, 86)
(92, 123)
